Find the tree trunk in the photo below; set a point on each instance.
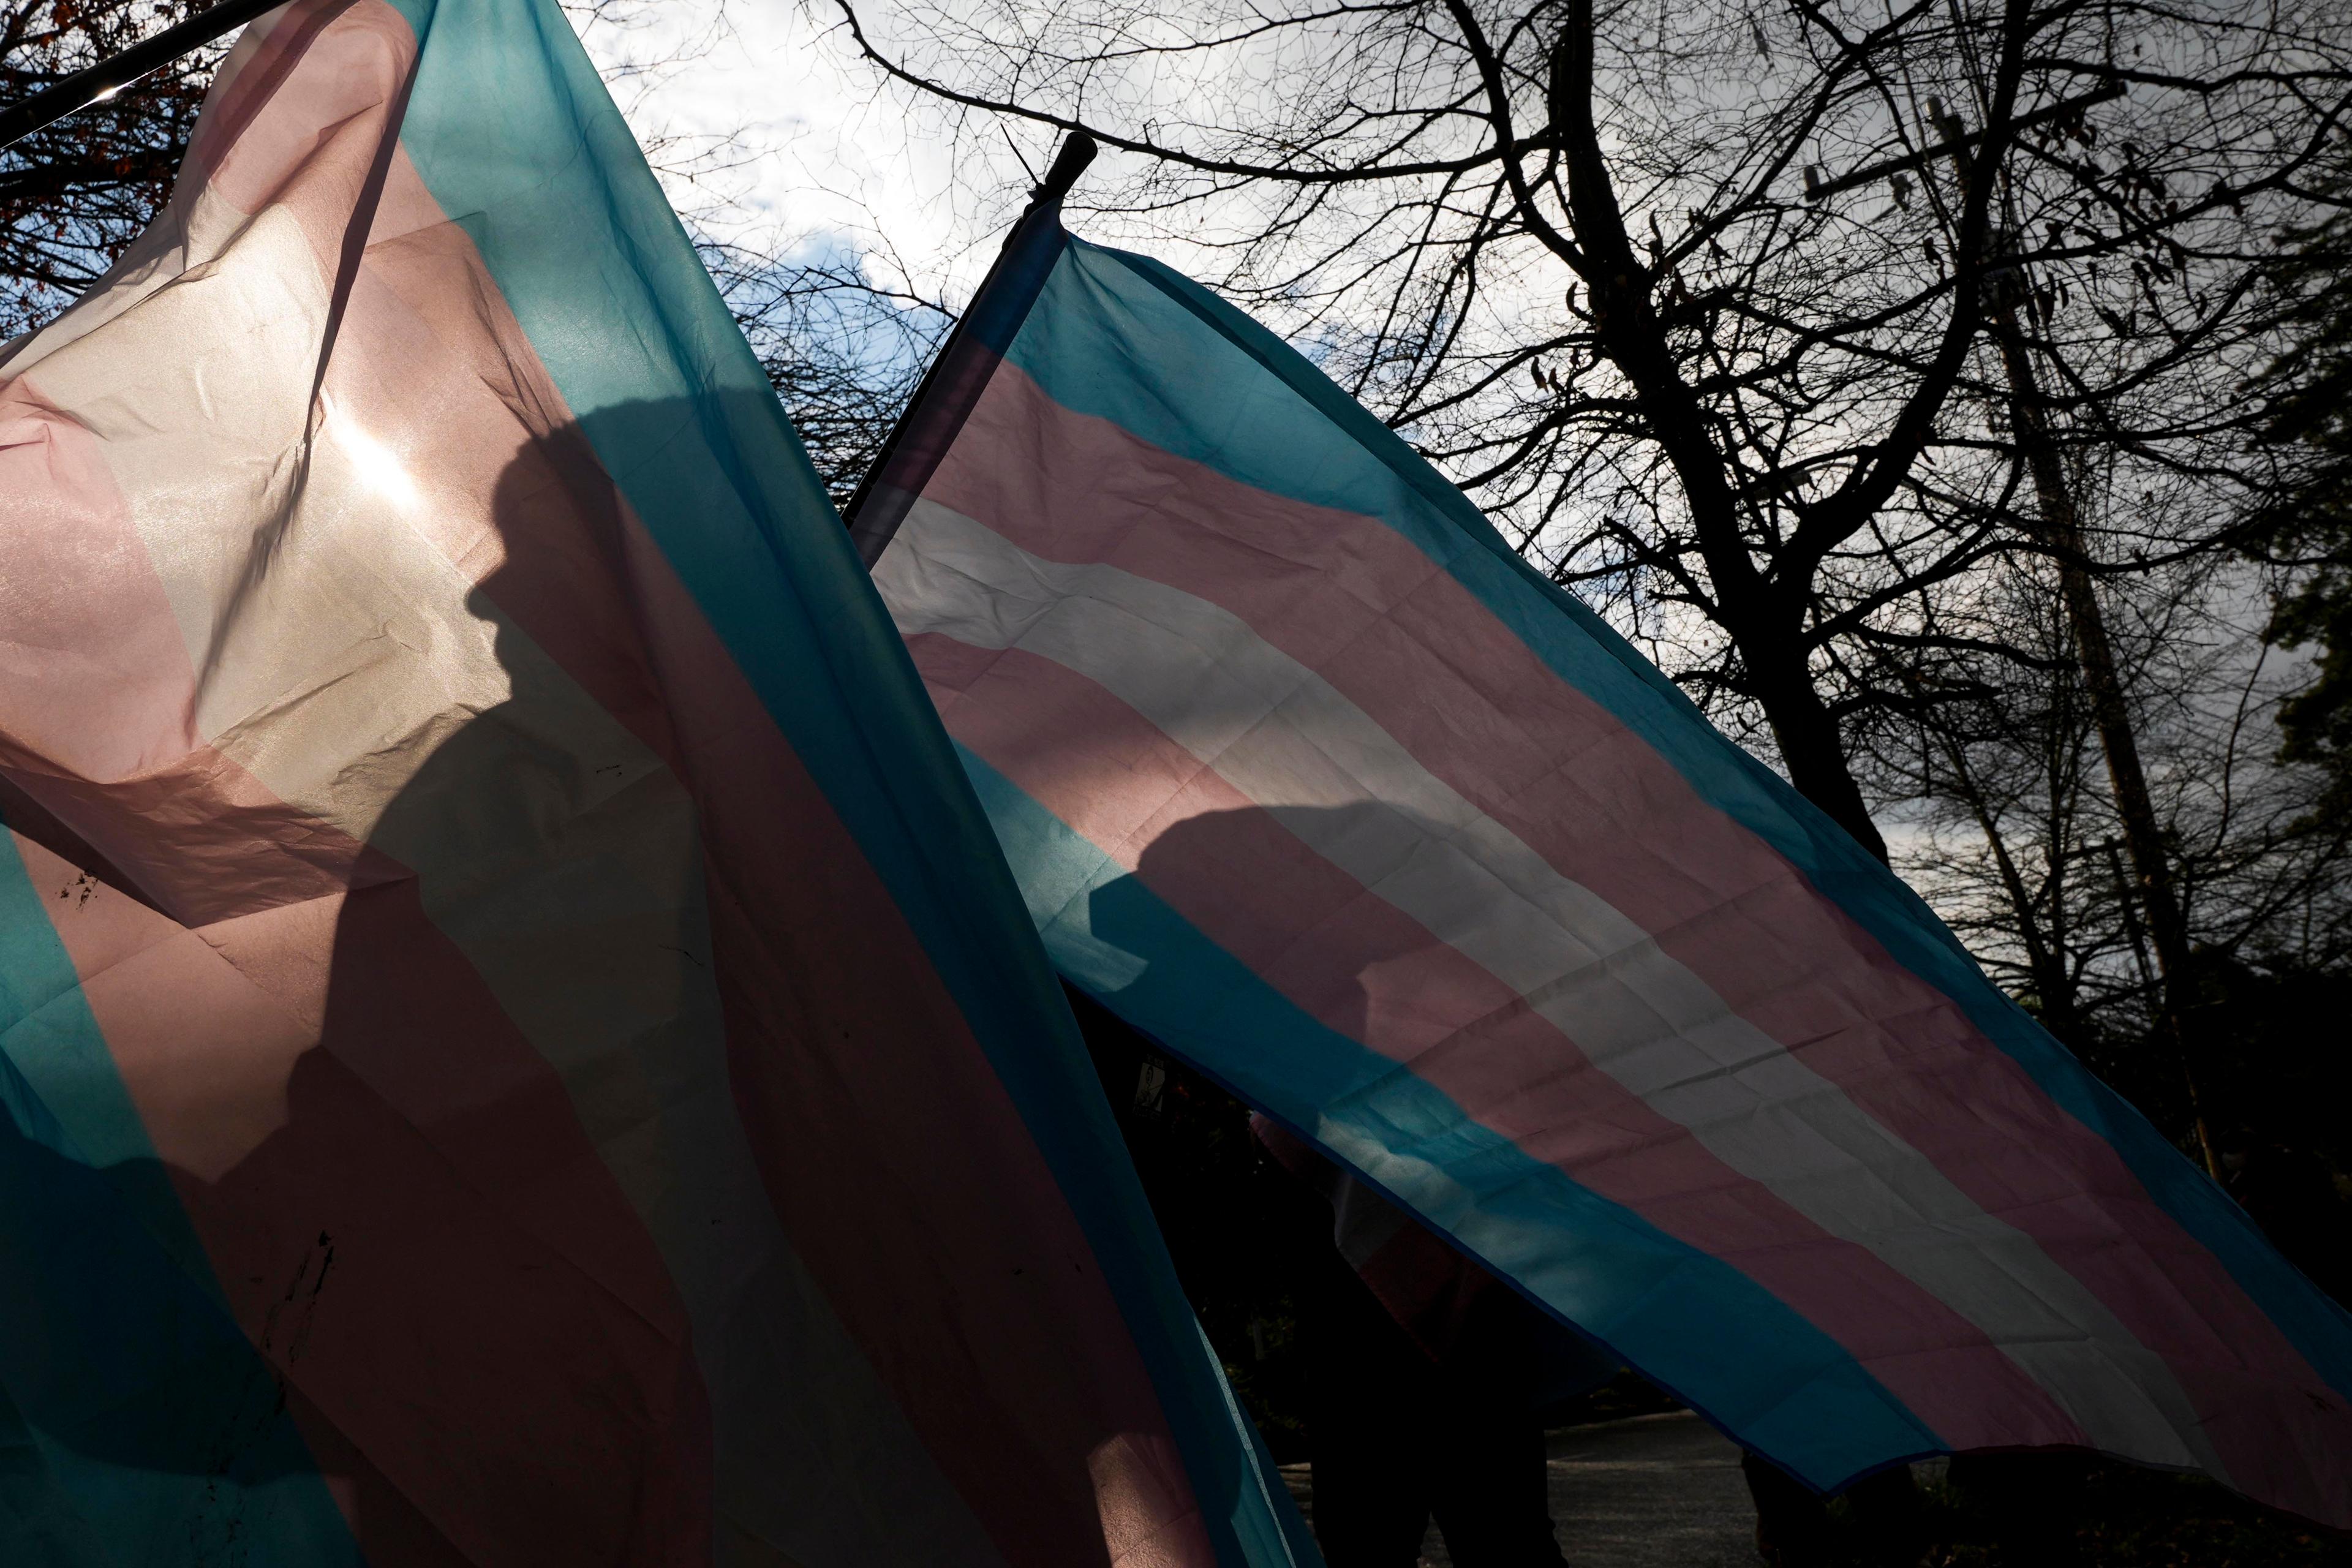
(2062, 532)
(1781, 683)
(2045, 959)
(1764, 625)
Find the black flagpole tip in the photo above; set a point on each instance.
(1077, 151)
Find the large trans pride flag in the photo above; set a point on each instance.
(517, 1043)
(1304, 773)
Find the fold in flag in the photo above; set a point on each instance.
(1304, 773)
(517, 1042)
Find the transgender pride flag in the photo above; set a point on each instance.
(1304, 773)
(517, 1044)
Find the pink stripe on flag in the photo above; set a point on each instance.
(1358, 965)
(1352, 599)
(92, 670)
(97, 696)
(266, 52)
(354, 57)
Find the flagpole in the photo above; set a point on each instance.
(1076, 152)
(117, 71)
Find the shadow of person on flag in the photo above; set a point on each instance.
(646, 1368)
(699, 1038)
(512, 997)
(1426, 1369)
(1425, 1373)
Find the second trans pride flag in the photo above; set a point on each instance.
(1304, 773)
(517, 1044)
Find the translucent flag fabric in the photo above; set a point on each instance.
(1304, 773)
(517, 1042)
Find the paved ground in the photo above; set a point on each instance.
(1654, 1492)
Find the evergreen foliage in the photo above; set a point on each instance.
(2309, 527)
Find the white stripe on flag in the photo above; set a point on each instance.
(1283, 737)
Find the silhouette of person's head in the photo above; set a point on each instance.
(1325, 937)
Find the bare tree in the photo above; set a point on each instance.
(1697, 298)
(73, 195)
(843, 348)
(2306, 530)
(2014, 836)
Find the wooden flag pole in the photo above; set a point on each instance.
(112, 74)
